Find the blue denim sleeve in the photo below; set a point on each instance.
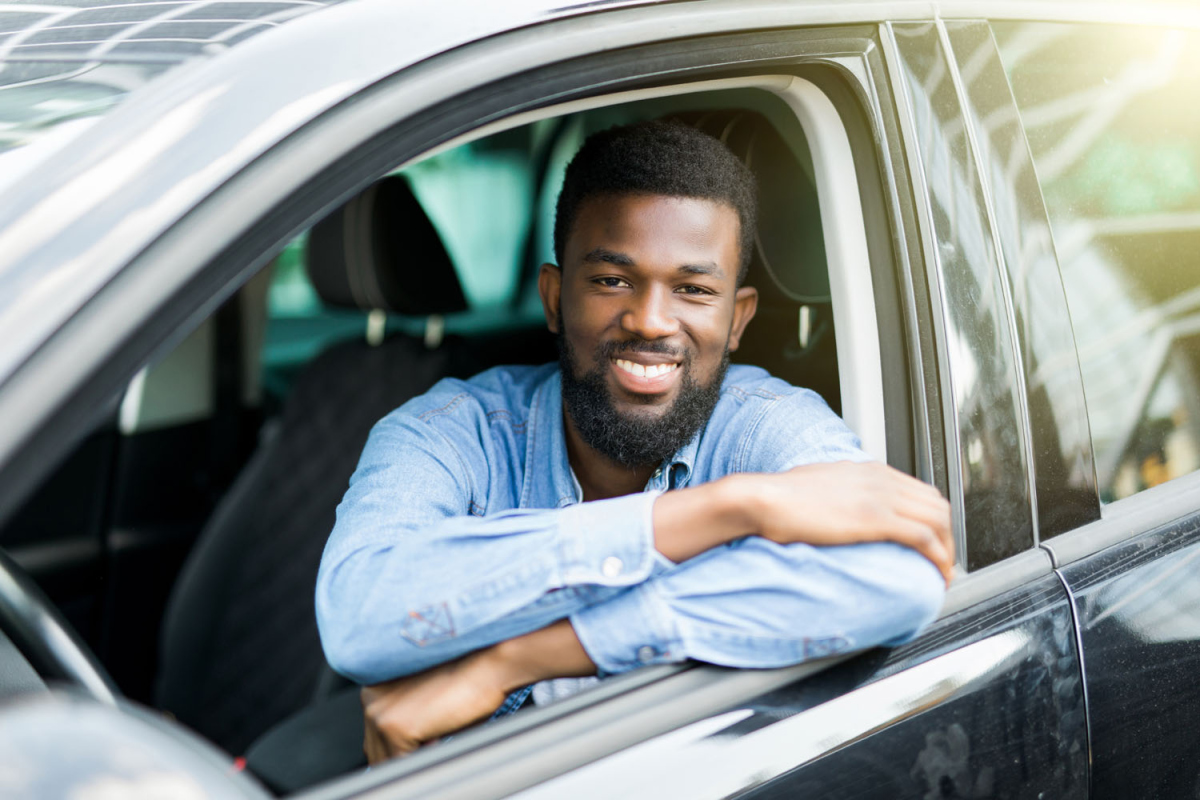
(414, 574)
(755, 603)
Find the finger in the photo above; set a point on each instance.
(934, 514)
(921, 538)
(931, 509)
(373, 744)
(917, 485)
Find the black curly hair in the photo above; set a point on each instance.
(662, 158)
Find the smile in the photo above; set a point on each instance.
(644, 370)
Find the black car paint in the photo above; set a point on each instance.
(1016, 729)
(1060, 445)
(1138, 606)
(995, 491)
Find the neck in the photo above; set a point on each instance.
(598, 476)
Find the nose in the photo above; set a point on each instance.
(649, 315)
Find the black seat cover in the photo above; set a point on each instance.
(240, 649)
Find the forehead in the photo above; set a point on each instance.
(657, 229)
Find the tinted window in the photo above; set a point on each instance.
(1113, 123)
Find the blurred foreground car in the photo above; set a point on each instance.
(234, 234)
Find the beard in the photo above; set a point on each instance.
(634, 440)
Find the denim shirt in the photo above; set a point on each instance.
(463, 527)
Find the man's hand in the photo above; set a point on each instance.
(817, 504)
(403, 714)
(848, 503)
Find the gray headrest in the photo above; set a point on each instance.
(788, 266)
(380, 251)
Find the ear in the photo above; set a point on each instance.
(745, 303)
(550, 290)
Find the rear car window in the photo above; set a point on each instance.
(1114, 129)
(480, 198)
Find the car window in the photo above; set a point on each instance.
(480, 197)
(1114, 129)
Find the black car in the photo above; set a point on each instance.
(234, 234)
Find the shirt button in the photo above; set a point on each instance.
(646, 653)
(612, 567)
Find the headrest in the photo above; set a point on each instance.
(788, 264)
(380, 251)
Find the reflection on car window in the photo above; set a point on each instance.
(1114, 128)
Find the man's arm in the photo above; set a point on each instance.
(403, 714)
(818, 504)
(411, 578)
(415, 574)
(758, 603)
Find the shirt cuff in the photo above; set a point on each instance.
(608, 542)
(633, 629)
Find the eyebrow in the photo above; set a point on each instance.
(703, 268)
(602, 255)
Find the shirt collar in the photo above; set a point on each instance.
(546, 448)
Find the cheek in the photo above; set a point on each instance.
(590, 318)
(709, 333)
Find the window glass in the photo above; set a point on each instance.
(1113, 123)
(479, 196)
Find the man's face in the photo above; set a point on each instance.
(647, 308)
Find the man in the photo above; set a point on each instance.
(641, 502)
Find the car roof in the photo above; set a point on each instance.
(61, 61)
(86, 203)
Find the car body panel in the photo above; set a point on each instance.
(1138, 606)
(987, 701)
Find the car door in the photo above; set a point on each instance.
(989, 700)
(1114, 134)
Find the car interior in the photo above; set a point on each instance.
(181, 538)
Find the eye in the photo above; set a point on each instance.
(692, 289)
(610, 282)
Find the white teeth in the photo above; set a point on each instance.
(642, 371)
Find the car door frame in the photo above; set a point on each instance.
(215, 267)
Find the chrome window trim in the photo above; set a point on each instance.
(995, 579)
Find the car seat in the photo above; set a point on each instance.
(240, 649)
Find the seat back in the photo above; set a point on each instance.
(240, 649)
